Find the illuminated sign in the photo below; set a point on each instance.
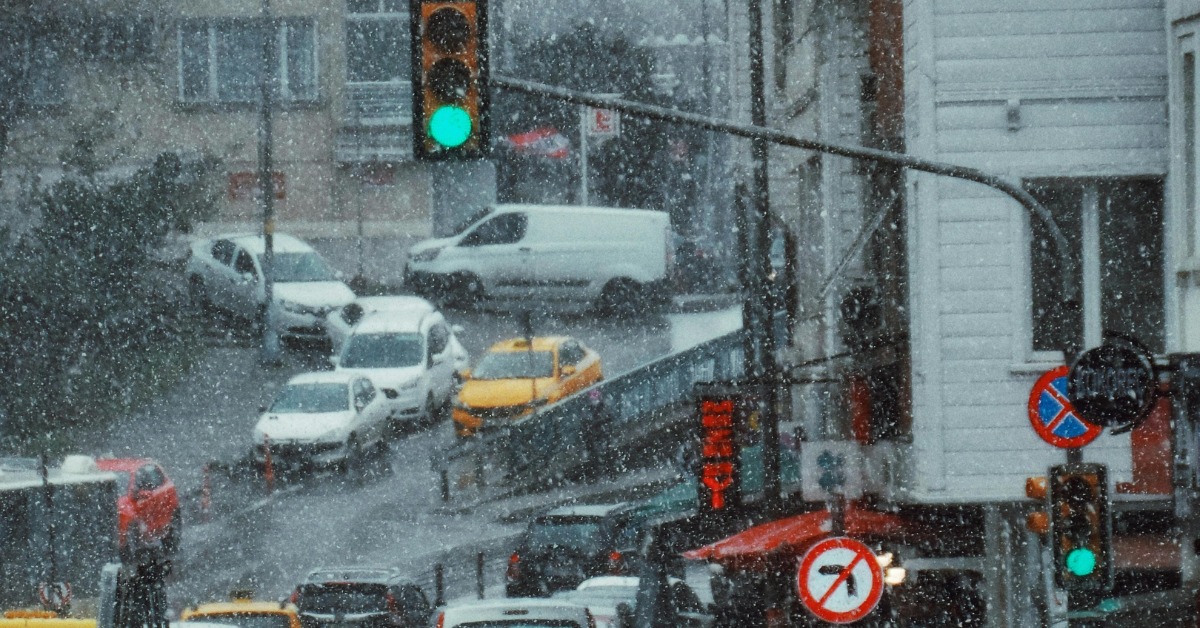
(718, 453)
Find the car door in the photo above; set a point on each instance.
(441, 361)
(220, 274)
(497, 256)
(569, 356)
(371, 413)
(244, 284)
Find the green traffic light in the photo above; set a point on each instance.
(450, 126)
(1081, 561)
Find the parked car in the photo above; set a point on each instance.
(323, 419)
(361, 597)
(412, 352)
(515, 614)
(517, 376)
(226, 273)
(148, 515)
(604, 595)
(619, 259)
(340, 323)
(241, 612)
(563, 547)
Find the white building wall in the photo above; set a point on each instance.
(1088, 78)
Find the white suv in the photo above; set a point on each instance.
(225, 272)
(413, 353)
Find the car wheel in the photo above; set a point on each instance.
(352, 466)
(466, 290)
(432, 411)
(172, 538)
(621, 298)
(197, 293)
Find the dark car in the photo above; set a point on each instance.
(564, 547)
(361, 597)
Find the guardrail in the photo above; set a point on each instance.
(549, 443)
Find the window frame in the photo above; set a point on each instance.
(283, 96)
(402, 17)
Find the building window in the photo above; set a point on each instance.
(220, 61)
(1115, 227)
(377, 41)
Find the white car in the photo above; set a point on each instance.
(413, 353)
(226, 273)
(340, 323)
(322, 419)
(604, 595)
(514, 612)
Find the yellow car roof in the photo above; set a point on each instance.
(540, 343)
(237, 607)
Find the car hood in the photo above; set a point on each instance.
(328, 294)
(388, 377)
(492, 393)
(307, 426)
(432, 243)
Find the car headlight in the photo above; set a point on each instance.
(428, 255)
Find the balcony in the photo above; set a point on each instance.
(376, 123)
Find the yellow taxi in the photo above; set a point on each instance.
(520, 375)
(42, 619)
(244, 612)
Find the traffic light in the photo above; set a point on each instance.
(450, 78)
(1081, 528)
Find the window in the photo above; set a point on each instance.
(364, 393)
(503, 229)
(570, 353)
(1115, 227)
(45, 68)
(244, 264)
(149, 478)
(439, 337)
(377, 41)
(220, 61)
(222, 251)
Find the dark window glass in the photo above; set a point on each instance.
(383, 351)
(1051, 321)
(344, 598)
(377, 50)
(301, 78)
(222, 251)
(299, 267)
(311, 398)
(244, 264)
(503, 229)
(239, 60)
(515, 365)
(439, 337)
(1131, 259)
(194, 77)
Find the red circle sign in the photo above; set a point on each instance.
(839, 580)
(1053, 417)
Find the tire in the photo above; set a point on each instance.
(430, 413)
(198, 294)
(621, 298)
(465, 290)
(353, 465)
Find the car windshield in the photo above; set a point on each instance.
(347, 598)
(300, 267)
(521, 623)
(581, 533)
(476, 217)
(246, 620)
(383, 351)
(311, 398)
(515, 365)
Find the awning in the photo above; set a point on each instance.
(788, 538)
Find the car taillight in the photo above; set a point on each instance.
(391, 603)
(514, 567)
(295, 597)
(441, 620)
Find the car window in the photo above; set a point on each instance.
(570, 353)
(342, 597)
(514, 365)
(244, 263)
(503, 229)
(311, 398)
(383, 351)
(439, 337)
(413, 599)
(222, 251)
(580, 533)
(299, 267)
(148, 478)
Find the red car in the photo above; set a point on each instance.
(148, 510)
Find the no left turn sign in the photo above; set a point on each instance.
(54, 595)
(839, 580)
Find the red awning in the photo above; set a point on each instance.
(792, 536)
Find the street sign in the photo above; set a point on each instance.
(603, 122)
(55, 596)
(1053, 417)
(839, 580)
(830, 469)
(1113, 385)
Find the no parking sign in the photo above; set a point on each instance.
(1053, 417)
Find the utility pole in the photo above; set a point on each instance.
(583, 154)
(266, 184)
(767, 373)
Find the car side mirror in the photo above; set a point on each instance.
(262, 409)
(390, 393)
(568, 370)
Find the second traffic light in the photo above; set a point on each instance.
(1081, 528)
(450, 76)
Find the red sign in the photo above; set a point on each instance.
(1053, 417)
(839, 580)
(718, 453)
(244, 185)
(603, 122)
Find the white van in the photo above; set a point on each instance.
(620, 259)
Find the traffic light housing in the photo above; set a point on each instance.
(1081, 528)
(450, 79)
(1038, 521)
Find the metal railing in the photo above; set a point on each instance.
(549, 443)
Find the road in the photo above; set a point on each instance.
(392, 519)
